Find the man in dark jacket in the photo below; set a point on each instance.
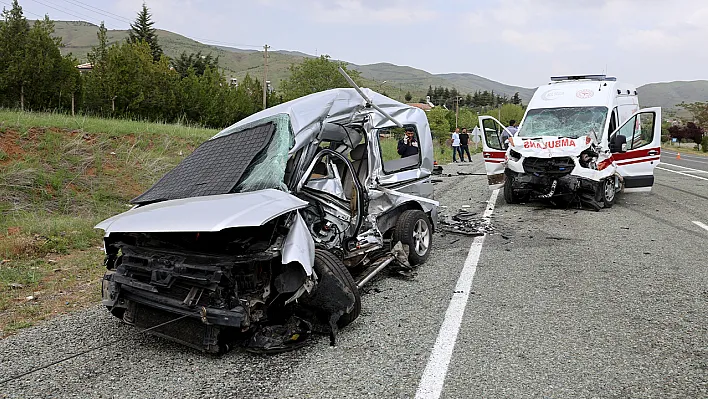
(464, 146)
(408, 145)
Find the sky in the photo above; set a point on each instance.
(517, 42)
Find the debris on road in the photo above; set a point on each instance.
(465, 222)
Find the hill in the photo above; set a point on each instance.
(79, 37)
(669, 94)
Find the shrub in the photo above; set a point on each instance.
(704, 144)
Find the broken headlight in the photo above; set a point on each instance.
(588, 159)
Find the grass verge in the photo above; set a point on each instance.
(59, 177)
(685, 149)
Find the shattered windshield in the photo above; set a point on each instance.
(571, 122)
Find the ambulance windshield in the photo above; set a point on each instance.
(570, 122)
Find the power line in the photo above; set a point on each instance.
(99, 11)
(122, 19)
(81, 17)
(24, 11)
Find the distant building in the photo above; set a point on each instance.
(424, 107)
(85, 67)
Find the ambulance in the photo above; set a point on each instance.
(582, 138)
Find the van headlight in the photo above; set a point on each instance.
(515, 156)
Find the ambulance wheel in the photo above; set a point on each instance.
(509, 196)
(608, 192)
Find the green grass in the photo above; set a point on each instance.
(686, 148)
(441, 153)
(59, 177)
(23, 121)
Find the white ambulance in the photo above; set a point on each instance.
(582, 138)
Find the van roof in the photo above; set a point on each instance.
(580, 93)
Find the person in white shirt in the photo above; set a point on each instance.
(456, 145)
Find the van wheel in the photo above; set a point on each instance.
(608, 192)
(414, 229)
(509, 196)
(335, 291)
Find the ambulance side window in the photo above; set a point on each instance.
(613, 121)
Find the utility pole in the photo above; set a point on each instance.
(265, 75)
(457, 109)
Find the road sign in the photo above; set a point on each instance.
(476, 135)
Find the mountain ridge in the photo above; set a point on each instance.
(79, 36)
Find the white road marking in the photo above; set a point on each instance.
(433, 379)
(701, 225)
(681, 173)
(687, 168)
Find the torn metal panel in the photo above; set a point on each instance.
(299, 246)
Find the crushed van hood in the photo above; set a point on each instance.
(550, 147)
(207, 213)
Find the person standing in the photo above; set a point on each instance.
(455, 144)
(507, 133)
(408, 145)
(464, 146)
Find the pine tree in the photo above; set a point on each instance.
(14, 31)
(142, 30)
(409, 96)
(97, 55)
(516, 99)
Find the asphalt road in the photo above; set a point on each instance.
(686, 160)
(564, 303)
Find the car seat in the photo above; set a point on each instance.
(360, 162)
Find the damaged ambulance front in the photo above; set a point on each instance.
(556, 155)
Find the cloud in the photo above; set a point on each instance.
(368, 12)
(545, 41)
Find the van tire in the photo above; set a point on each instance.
(411, 224)
(329, 265)
(509, 196)
(609, 195)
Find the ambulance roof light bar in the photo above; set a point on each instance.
(583, 77)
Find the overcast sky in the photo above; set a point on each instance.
(518, 42)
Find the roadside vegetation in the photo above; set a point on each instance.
(59, 177)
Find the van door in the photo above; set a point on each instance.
(494, 150)
(642, 133)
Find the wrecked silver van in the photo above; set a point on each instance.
(267, 231)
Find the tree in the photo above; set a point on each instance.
(516, 99)
(14, 31)
(508, 112)
(197, 61)
(315, 75)
(439, 124)
(467, 119)
(142, 30)
(699, 111)
(409, 96)
(97, 55)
